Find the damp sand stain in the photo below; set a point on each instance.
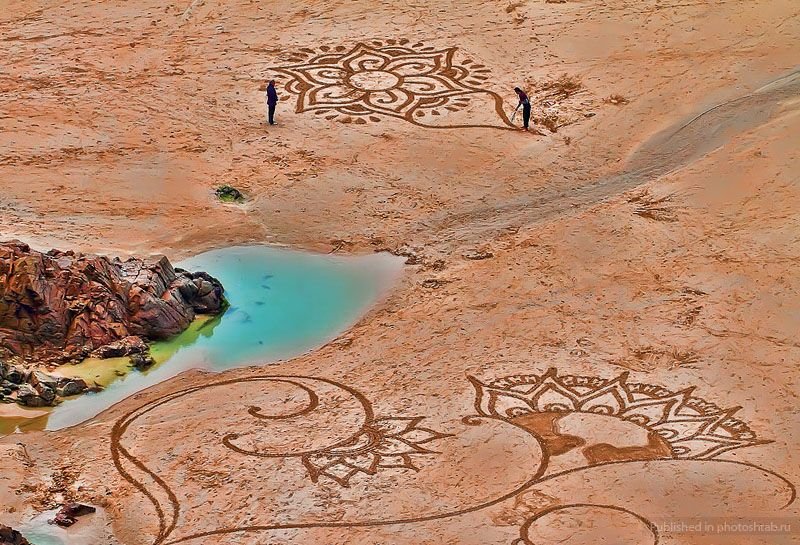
(282, 303)
(14, 418)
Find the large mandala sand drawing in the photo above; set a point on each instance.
(605, 429)
(414, 82)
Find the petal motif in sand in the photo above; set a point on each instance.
(363, 58)
(332, 95)
(390, 102)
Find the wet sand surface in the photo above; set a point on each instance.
(595, 337)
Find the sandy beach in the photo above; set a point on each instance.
(594, 339)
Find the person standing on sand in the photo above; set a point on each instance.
(272, 101)
(525, 102)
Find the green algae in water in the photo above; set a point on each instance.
(202, 327)
(105, 372)
(282, 303)
(96, 371)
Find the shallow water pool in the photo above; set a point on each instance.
(41, 537)
(283, 303)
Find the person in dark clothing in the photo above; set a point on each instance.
(272, 101)
(525, 102)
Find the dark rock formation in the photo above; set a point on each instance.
(141, 361)
(123, 347)
(9, 536)
(7, 387)
(71, 387)
(69, 513)
(227, 193)
(36, 388)
(29, 396)
(61, 306)
(12, 373)
(40, 380)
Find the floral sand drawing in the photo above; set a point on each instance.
(417, 83)
(650, 425)
(650, 226)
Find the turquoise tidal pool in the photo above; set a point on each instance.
(283, 303)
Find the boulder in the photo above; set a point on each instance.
(141, 361)
(9, 536)
(47, 394)
(69, 513)
(71, 387)
(123, 347)
(40, 379)
(60, 306)
(15, 375)
(28, 395)
(209, 293)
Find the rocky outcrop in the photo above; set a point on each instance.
(61, 306)
(9, 536)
